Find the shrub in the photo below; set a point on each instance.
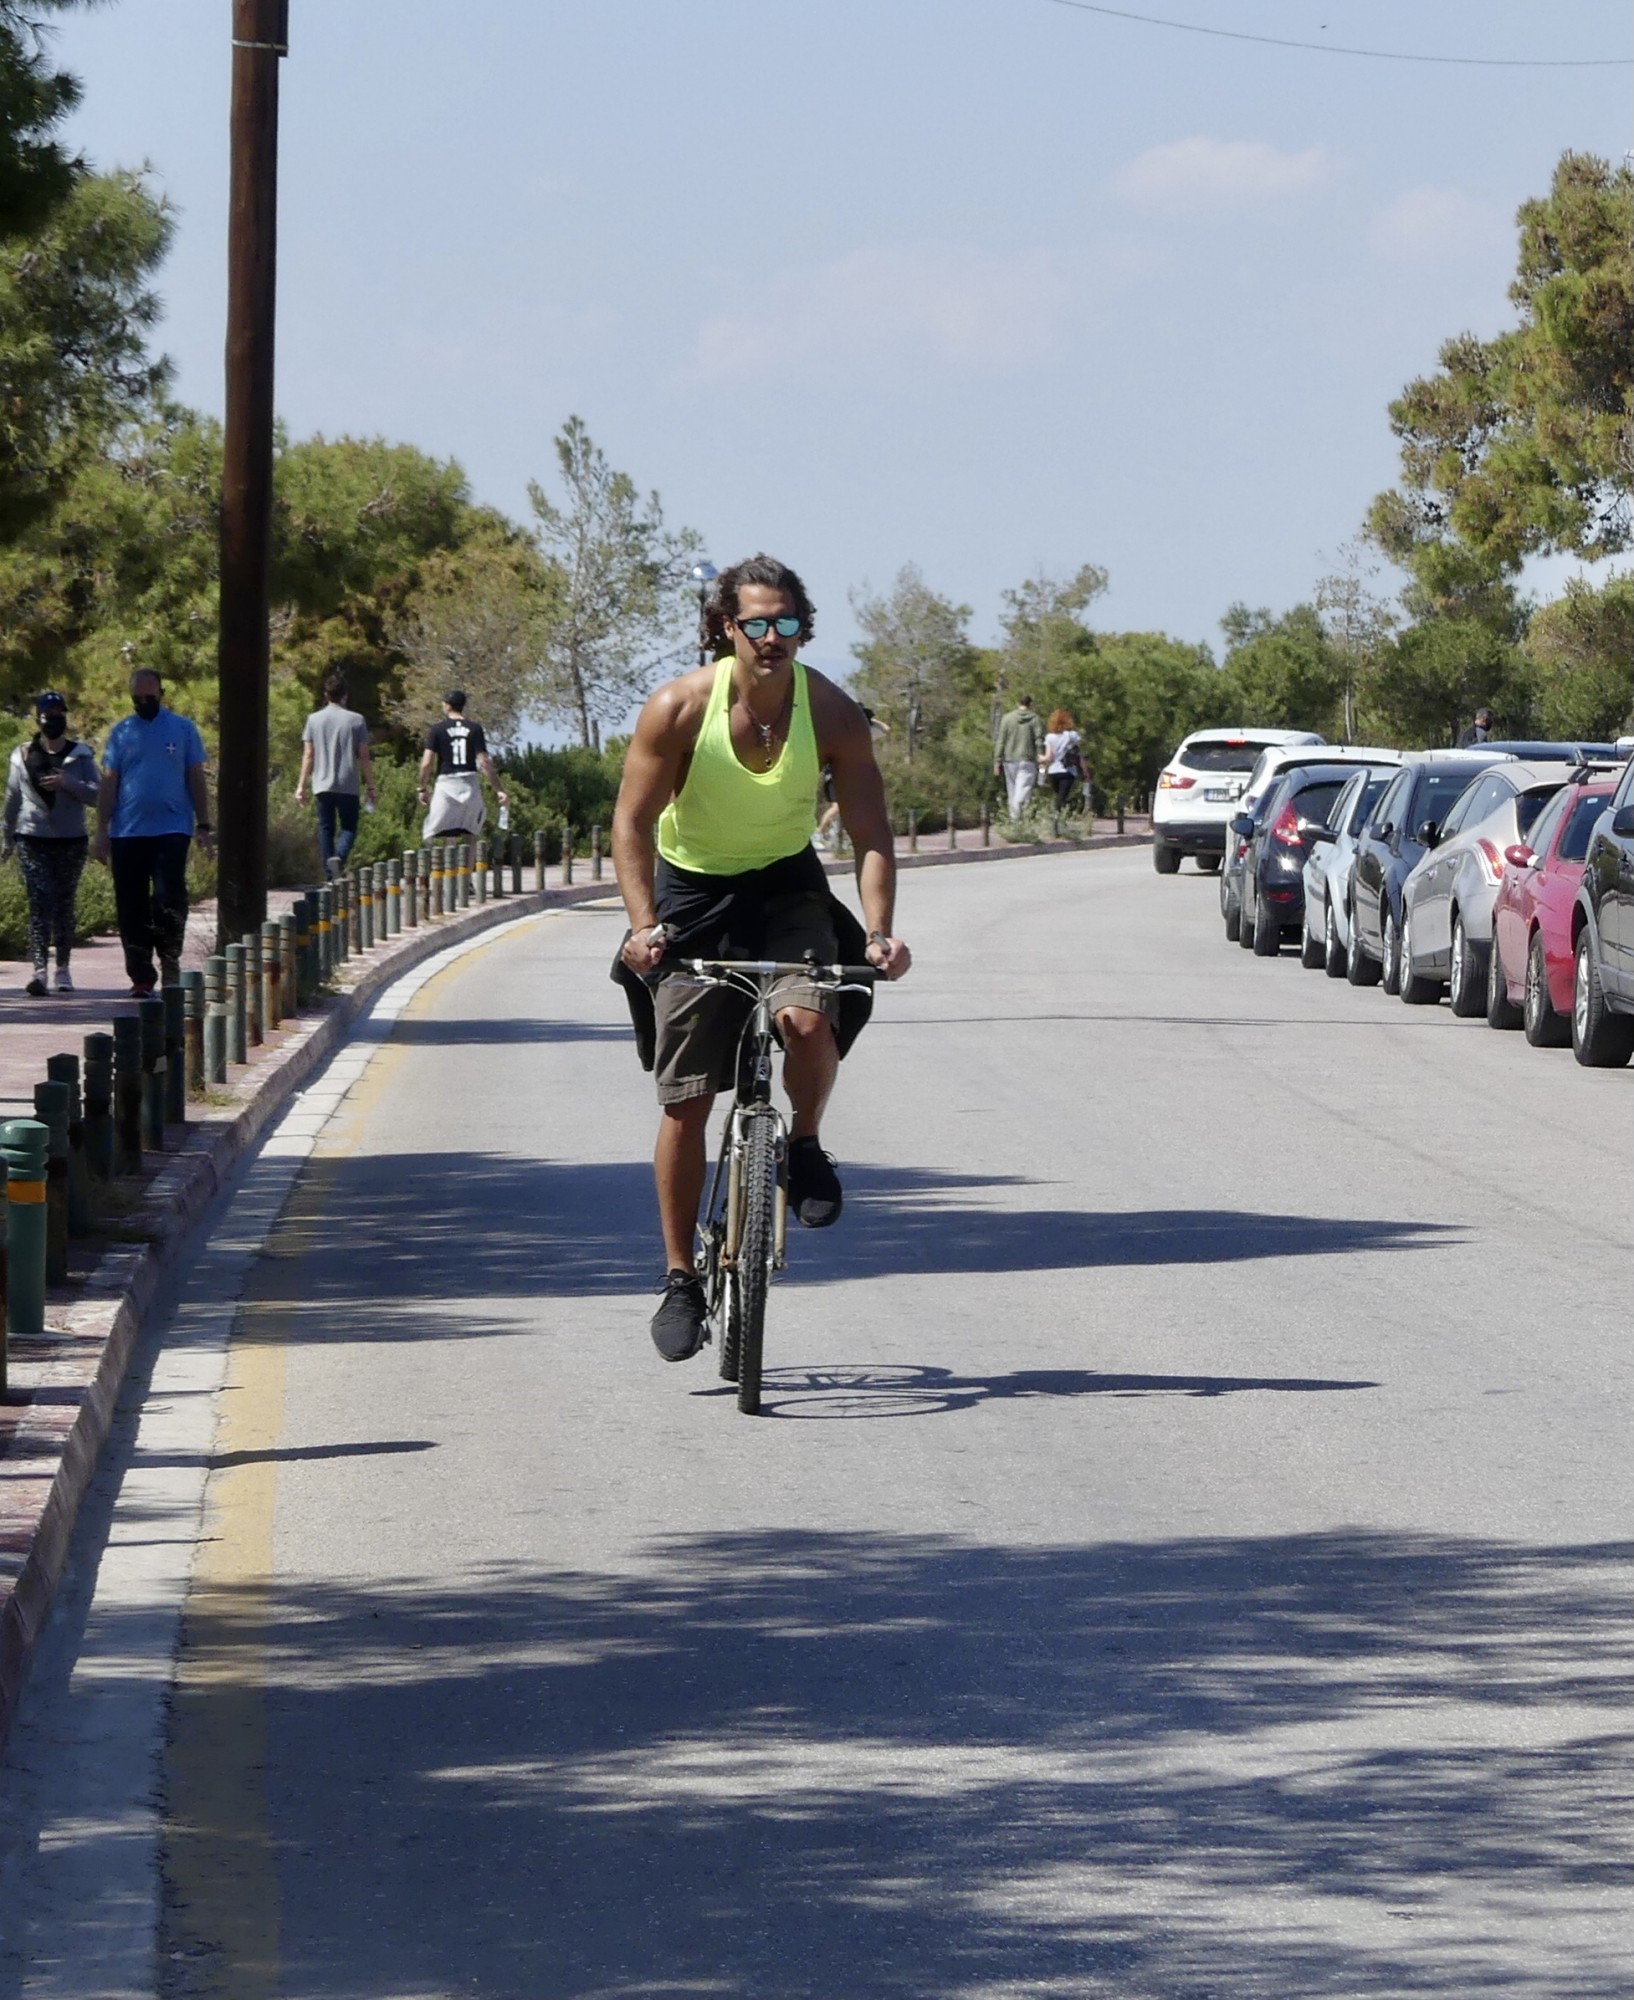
(93, 913)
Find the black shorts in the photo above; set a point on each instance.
(780, 912)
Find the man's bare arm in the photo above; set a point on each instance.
(485, 764)
(198, 787)
(846, 746)
(428, 764)
(652, 768)
(107, 796)
(305, 778)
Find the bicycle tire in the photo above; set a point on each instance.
(754, 1260)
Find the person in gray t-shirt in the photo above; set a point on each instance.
(334, 760)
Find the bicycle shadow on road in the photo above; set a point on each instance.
(831, 1394)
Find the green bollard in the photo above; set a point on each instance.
(411, 888)
(1120, 812)
(423, 877)
(215, 1021)
(193, 1031)
(987, 824)
(595, 854)
(567, 857)
(272, 984)
(99, 1106)
(25, 1142)
(482, 873)
(913, 832)
(64, 1069)
(439, 879)
(151, 1014)
(51, 1108)
(365, 893)
(288, 1007)
(952, 831)
(174, 999)
(394, 898)
(236, 1032)
(515, 847)
(251, 942)
(127, 1094)
(354, 911)
(539, 859)
(380, 902)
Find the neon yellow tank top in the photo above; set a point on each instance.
(727, 819)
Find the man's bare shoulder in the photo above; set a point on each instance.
(676, 710)
(835, 714)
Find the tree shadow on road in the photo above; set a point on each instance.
(823, 1766)
(379, 1239)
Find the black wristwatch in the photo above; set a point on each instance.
(879, 937)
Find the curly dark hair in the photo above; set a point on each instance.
(770, 574)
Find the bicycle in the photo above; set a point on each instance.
(743, 1233)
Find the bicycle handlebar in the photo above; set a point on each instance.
(770, 968)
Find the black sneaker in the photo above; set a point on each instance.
(681, 1324)
(35, 989)
(814, 1186)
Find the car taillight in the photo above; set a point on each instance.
(1287, 827)
(1171, 781)
(1491, 860)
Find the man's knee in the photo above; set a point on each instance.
(804, 1027)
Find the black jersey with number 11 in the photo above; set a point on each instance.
(456, 744)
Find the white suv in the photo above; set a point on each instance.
(1198, 789)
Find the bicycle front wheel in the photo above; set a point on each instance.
(752, 1269)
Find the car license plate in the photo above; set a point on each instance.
(1218, 795)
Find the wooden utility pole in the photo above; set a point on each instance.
(260, 40)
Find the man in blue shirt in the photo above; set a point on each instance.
(153, 799)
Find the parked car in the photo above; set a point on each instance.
(1446, 901)
(1330, 864)
(1530, 967)
(1388, 848)
(1198, 790)
(1267, 769)
(1297, 814)
(1603, 938)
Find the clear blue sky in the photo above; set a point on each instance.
(978, 284)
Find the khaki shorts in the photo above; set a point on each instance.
(700, 1029)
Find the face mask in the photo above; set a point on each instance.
(146, 706)
(53, 726)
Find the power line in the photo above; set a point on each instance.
(1334, 49)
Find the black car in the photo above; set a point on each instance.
(1279, 840)
(1405, 822)
(1603, 938)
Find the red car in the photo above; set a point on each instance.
(1529, 973)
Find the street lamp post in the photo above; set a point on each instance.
(260, 40)
(703, 574)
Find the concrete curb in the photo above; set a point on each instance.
(950, 856)
(72, 1379)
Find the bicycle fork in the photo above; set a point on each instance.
(734, 1193)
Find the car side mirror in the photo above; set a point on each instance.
(1519, 855)
(1429, 832)
(1385, 832)
(1622, 822)
(1242, 825)
(1323, 833)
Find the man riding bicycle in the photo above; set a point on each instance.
(723, 769)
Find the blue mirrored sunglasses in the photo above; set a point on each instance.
(757, 628)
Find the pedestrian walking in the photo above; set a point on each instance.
(1016, 750)
(1479, 731)
(337, 765)
(1062, 758)
(456, 756)
(50, 781)
(152, 801)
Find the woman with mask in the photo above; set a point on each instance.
(50, 781)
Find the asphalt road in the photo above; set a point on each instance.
(1186, 1556)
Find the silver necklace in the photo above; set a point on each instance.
(768, 730)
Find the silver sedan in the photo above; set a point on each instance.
(1327, 872)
